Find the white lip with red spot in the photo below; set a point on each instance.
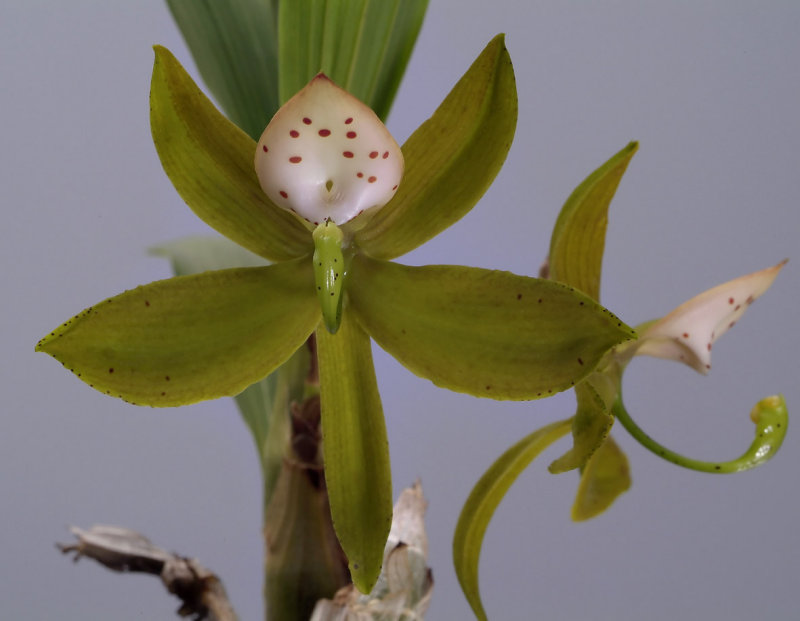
(688, 332)
(327, 156)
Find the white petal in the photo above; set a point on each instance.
(327, 156)
(689, 331)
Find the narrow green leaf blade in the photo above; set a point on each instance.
(210, 162)
(487, 333)
(484, 500)
(357, 469)
(579, 236)
(605, 476)
(451, 159)
(234, 44)
(264, 405)
(190, 338)
(362, 45)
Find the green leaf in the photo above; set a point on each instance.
(204, 253)
(579, 236)
(452, 158)
(357, 469)
(483, 501)
(190, 338)
(487, 333)
(259, 402)
(234, 44)
(590, 427)
(210, 162)
(362, 45)
(605, 476)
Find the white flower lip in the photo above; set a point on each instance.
(688, 332)
(327, 156)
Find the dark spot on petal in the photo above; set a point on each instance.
(351, 135)
(264, 149)
(348, 154)
(348, 120)
(324, 133)
(294, 133)
(306, 120)
(295, 159)
(373, 155)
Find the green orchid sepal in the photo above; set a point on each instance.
(487, 333)
(190, 338)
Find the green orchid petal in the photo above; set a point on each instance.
(451, 159)
(605, 476)
(484, 500)
(234, 45)
(487, 333)
(190, 338)
(579, 236)
(590, 426)
(362, 45)
(771, 419)
(356, 450)
(210, 162)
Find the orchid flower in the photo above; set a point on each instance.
(685, 335)
(330, 200)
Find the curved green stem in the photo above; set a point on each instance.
(769, 415)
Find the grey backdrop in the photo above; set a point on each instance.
(711, 91)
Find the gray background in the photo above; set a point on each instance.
(711, 91)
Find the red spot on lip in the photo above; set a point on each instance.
(348, 154)
(372, 179)
(686, 335)
(348, 120)
(373, 154)
(394, 188)
(351, 135)
(295, 159)
(264, 148)
(730, 300)
(294, 133)
(359, 175)
(324, 132)
(284, 194)
(306, 120)
(385, 154)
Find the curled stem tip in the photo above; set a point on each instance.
(769, 415)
